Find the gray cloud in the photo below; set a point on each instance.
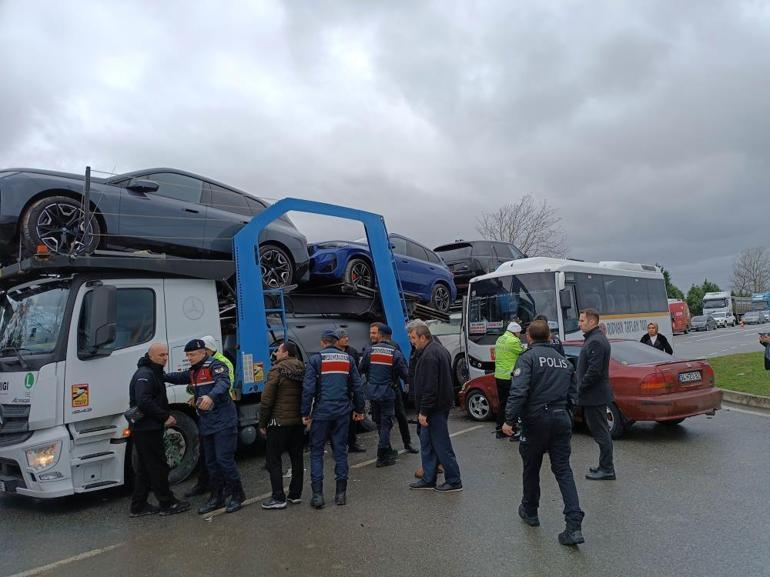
(646, 124)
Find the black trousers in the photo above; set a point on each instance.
(550, 432)
(503, 390)
(403, 422)
(596, 419)
(151, 473)
(282, 440)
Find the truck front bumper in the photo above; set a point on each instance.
(17, 477)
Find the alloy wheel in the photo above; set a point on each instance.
(61, 228)
(276, 268)
(478, 407)
(441, 298)
(361, 274)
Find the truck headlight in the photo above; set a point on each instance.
(45, 457)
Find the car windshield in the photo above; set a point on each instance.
(31, 317)
(719, 315)
(450, 252)
(636, 353)
(497, 301)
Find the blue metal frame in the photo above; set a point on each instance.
(253, 360)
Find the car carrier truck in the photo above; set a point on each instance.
(73, 328)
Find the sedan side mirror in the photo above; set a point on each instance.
(142, 185)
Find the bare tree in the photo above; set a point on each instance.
(751, 270)
(533, 227)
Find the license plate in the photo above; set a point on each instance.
(690, 377)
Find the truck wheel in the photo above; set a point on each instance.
(57, 223)
(460, 371)
(182, 447)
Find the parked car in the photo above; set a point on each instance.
(703, 323)
(420, 270)
(754, 318)
(467, 259)
(723, 319)
(648, 384)
(159, 209)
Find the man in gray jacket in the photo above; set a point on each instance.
(595, 392)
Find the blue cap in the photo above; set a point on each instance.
(194, 345)
(331, 334)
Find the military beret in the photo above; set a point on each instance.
(331, 334)
(194, 345)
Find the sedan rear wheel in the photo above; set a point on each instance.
(616, 421)
(440, 298)
(58, 223)
(478, 406)
(276, 265)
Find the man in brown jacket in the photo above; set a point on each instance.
(280, 421)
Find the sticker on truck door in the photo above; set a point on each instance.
(80, 396)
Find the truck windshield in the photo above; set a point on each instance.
(31, 318)
(715, 304)
(495, 302)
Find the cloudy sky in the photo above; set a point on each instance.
(646, 123)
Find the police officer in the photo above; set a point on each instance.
(543, 392)
(218, 422)
(383, 365)
(331, 381)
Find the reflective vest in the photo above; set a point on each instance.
(507, 350)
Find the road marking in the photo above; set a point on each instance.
(252, 500)
(57, 564)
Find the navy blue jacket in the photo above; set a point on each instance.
(331, 380)
(593, 370)
(148, 392)
(383, 364)
(210, 378)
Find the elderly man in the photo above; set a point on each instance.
(147, 393)
(218, 422)
(434, 398)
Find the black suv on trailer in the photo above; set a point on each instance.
(467, 259)
(159, 209)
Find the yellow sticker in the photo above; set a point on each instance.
(259, 372)
(80, 396)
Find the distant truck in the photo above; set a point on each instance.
(724, 302)
(760, 301)
(680, 316)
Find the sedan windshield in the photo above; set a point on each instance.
(31, 318)
(497, 301)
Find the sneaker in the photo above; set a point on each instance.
(147, 509)
(273, 504)
(531, 520)
(422, 485)
(294, 500)
(447, 488)
(571, 537)
(174, 508)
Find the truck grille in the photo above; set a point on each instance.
(14, 419)
(9, 439)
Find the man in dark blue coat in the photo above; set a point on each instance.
(383, 365)
(331, 383)
(218, 422)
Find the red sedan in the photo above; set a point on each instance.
(649, 385)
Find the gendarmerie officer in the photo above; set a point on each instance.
(543, 392)
(218, 422)
(383, 365)
(331, 381)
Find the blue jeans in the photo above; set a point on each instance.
(320, 431)
(384, 411)
(219, 450)
(435, 448)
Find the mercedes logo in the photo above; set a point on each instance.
(192, 307)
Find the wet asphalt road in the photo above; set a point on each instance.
(690, 500)
(724, 341)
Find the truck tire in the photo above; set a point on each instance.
(55, 221)
(182, 447)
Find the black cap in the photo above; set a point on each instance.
(194, 345)
(384, 329)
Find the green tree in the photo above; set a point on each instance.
(695, 295)
(672, 290)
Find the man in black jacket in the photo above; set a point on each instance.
(147, 392)
(434, 398)
(654, 339)
(595, 392)
(344, 344)
(543, 392)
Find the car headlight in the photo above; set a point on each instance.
(45, 457)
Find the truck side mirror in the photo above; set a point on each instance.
(142, 185)
(565, 298)
(98, 327)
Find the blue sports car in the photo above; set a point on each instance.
(421, 271)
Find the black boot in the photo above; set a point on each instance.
(410, 449)
(317, 501)
(339, 494)
(572, 535)
(380, 458)
(237, 497)
(216, 501)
